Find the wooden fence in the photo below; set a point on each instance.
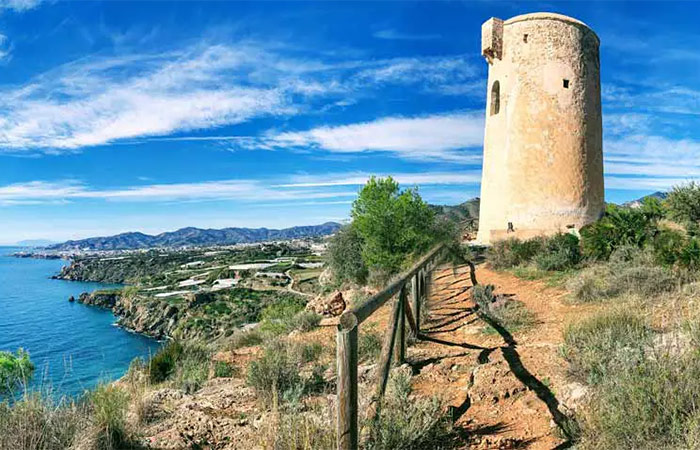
(418, 277)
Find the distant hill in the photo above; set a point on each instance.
(636, 203)
(195, 237)
(35, 243)
(466, 213)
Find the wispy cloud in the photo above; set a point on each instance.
(35, 192)
(391, 34)
(653, 97)
(98, 101)
(19, 5)
(436, 73)
(326, 189)
(643, 161)
(360, 178)
(446, 137)
(5, 48)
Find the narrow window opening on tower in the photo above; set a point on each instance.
(525, 38)
(566, 83)
(495, 98)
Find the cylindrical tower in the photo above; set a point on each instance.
(543, 152)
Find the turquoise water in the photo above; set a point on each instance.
(73, 346)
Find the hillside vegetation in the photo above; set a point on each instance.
(637, 354)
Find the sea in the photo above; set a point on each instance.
(73, 347)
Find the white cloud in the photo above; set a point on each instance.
(360, 178)
(97, 101)
(438, 73)
(296, 188)
(642, 183)
(617, 124)
(36, 192)
(391, 34)
(641, 162)
(83, 104)
(436, 137)
(652, 97)
(19, 5)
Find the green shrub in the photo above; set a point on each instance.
(192, 367)
(644, 280)
(621, 226)
(306, 353)
(513, 252)
(483, 295)
(560, 252)
(186, 365)
(406, 422)
(15, 369)
(651, 405)
(667, 246)
(369, 344)
(592, 285)
(223, 369)
(305, 321)
(275, 375)
(689, 257)
(282, 310)
(683, 203)
(285, 316)
(601, 345)
(245, 338)
(629, 271)
(162, 364)
(108, 405)
(345, 256)
(300, 430)
(38, 422)
(508, 313)
(129, 292)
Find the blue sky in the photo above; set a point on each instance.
(151, 116)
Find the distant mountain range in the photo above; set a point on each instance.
(195, 237)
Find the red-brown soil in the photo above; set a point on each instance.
(501, 387)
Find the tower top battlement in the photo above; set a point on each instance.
(493, 29)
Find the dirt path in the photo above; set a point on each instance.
(505, 388)
(290, 286)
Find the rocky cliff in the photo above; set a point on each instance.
(158, 318)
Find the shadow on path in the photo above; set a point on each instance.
(510, 354)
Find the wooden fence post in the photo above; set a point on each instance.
(416, 302)
(347, 388)
(401, 328)
(385, 358)
(428, 282)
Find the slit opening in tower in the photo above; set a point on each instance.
(566, 83)
(525, 38)
(495, 98)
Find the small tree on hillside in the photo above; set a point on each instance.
(345, 256)
(683, 203)
(393, 224)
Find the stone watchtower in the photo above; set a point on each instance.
(543, 153)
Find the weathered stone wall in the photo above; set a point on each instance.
(543, 158)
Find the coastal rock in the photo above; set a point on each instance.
(102, 299)
(71, 299)
(332, 305)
